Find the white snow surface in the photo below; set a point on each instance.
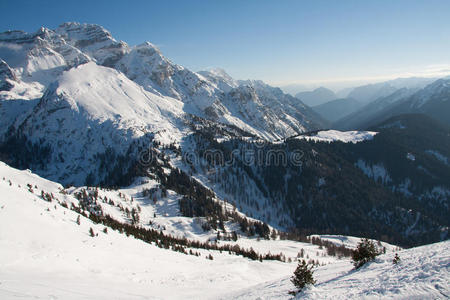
(104, 93)
(423, 273)
(342, 136)
(45, 254)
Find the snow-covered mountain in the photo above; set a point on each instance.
(75, 93)
(38, 59)
(90, 110)
(84, 108)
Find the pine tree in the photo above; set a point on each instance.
(365, 252)
(396, 259)
(234, 236)
(303, 275)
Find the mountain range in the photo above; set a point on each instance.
(360, 100)
(40, 58)
(432, 100)
(124, 175)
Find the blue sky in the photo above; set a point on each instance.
(280, 42)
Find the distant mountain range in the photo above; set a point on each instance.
(433, 100)
(323, 99)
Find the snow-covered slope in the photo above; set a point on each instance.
(422, 273)
(40, 56)
(46, 254)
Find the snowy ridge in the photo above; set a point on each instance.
(342, 136)
(352, 242)
(437, 90)
(103, 93)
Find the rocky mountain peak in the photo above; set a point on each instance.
(95, 41)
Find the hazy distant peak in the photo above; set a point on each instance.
(369, 92)
(316, 97)
(322, 90)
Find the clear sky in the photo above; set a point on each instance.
(280, 42)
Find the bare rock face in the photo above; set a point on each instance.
(6, 76)
(95, 41)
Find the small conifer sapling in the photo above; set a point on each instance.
(303, 275)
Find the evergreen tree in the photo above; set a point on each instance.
(396, 259)
(303, 275)
(365, 252)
